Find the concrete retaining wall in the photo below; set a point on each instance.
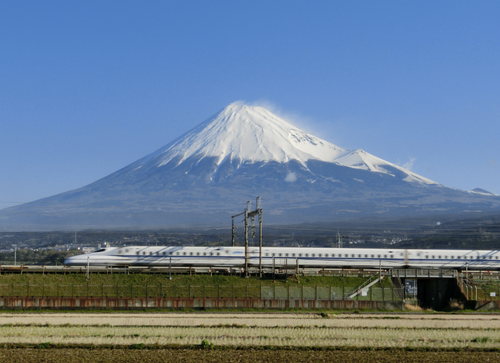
(193, 303)
(483, 305)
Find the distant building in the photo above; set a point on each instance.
(88, 249)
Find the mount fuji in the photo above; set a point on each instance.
(242, 152)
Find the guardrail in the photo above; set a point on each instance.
(279, 270)
(424, 273)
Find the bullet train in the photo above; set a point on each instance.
(234, 257)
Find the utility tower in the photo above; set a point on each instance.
(250, 214)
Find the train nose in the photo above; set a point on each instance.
(75, 260)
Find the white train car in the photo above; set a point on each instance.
(291, 256)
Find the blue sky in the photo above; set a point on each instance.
(88, 87)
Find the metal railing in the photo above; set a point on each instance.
(423, 273)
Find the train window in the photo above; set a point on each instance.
(164, 253)
(286, 254)
(319, 254)
(126, 250)
(300, 254)
(185, 253)
(426, 256)
(445, 257)
(307, 254)
(313, 255)
(439, 257)
(197, 253)
(177, 253)
(385, 256)
(293, 254)
(211, 253)
(366, 256)
(373, 256)
(433, 256)
(471, 257)
(378, 256)
(218, 254)
(267, 254)
(274, 254)
(279, 254)
(392, 256)
(458, 257)
(144, 253)
(191, 253)
(138, 253)
(496, 257)
(204, 253)
(491, 257)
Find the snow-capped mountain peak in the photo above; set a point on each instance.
(251, 134)
(237, 154)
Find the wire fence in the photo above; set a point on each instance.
(208, 291)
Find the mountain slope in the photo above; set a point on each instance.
(209, 173)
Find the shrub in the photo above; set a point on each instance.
(205, 344)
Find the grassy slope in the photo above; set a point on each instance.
(181, 280)
(157, 285)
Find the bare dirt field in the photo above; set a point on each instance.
(250, 356)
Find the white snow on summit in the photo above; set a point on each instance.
(250, 134)
(254, 134)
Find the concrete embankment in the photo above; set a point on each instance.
(68, 303)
